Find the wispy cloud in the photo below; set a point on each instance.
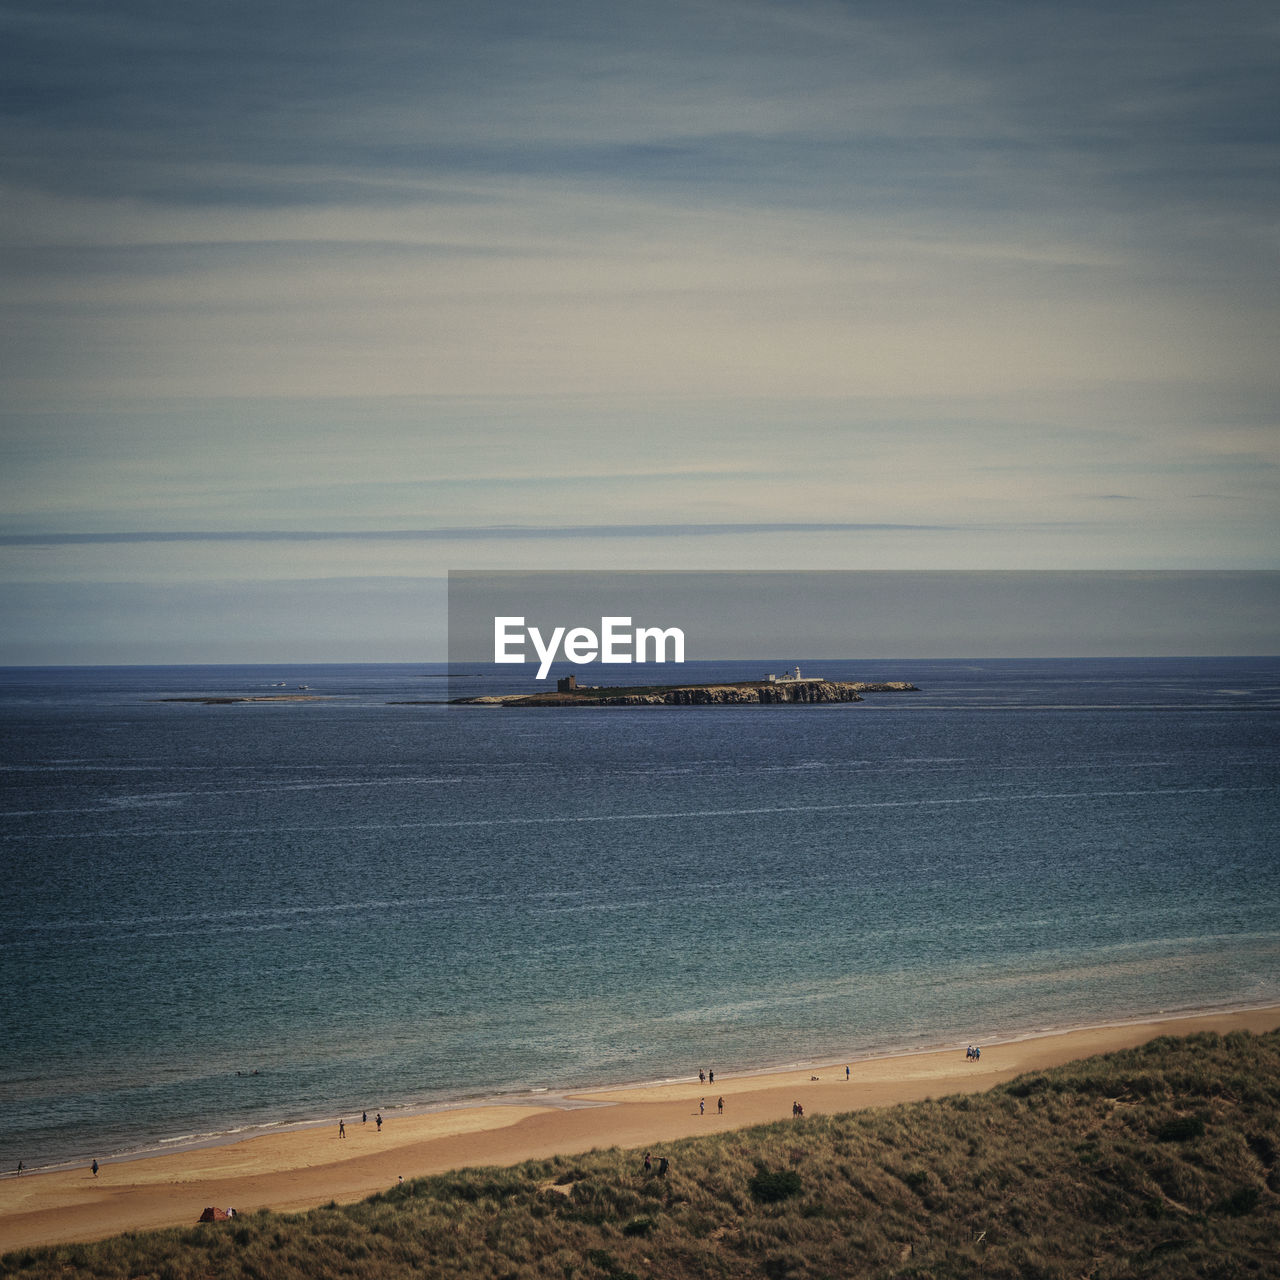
(478, 533)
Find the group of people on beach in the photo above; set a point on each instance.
(973, 1053)
(364, 1119)
(707, 1076)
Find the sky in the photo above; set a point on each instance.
(305, 305)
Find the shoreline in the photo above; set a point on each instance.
(562, 1097)
(301, 1165)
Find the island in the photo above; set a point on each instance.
(225, 700)
(771, 689)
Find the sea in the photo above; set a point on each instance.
(220, 919)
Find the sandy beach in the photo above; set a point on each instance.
(302, 1168)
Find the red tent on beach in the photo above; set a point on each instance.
(214, 1215)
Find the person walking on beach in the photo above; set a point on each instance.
(378, 1118)
(342, 1128)
(720, 1106)
(846, 1073)
(702, 1076)
(711, 1077)
(364, 1117)
(95, 1168)
(702, 1106)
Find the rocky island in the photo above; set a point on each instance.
(771, 689)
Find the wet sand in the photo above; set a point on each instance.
(302, 1168)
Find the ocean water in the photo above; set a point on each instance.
(214, 918)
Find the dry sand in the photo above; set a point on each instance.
(303, 1168)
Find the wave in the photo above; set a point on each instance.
(652, 816)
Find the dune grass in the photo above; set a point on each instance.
(1159, 1161)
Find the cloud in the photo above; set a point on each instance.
(473, 534)
(286, 620)
(403, 619)
(802, 101)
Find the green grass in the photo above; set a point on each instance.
(1155, 1162)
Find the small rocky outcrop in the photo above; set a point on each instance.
(729, 694)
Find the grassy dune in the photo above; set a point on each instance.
(1159, 1161)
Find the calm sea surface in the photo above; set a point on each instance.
(220, 917)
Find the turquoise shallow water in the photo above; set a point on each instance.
(228, 916)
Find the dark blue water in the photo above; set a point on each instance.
(217, 917)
